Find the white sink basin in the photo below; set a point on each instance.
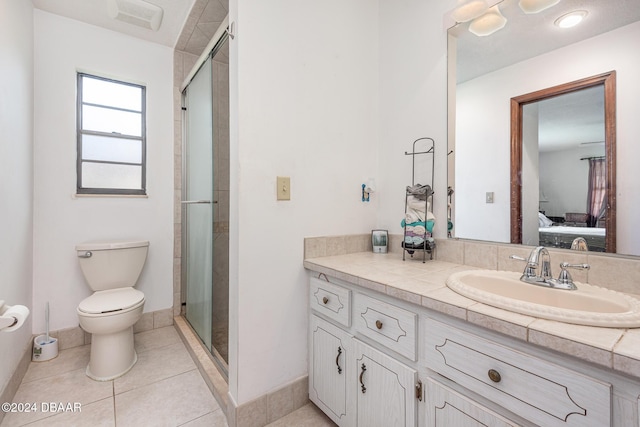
(589, 305)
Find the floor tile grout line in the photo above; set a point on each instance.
(197, 418)
(153, 382)
(113, 396)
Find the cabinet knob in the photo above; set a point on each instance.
(325, 300)
(378, 324)
(494, 376)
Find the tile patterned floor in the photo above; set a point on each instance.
(164, 388)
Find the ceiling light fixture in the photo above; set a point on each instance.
(488, 23)
(571, 19)
(535, 6)
(469, 10)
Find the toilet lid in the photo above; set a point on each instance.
(111, 300)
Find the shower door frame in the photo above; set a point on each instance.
(214, 353)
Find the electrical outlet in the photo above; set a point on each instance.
(489, 196)
(283, 188)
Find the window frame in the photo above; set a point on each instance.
(80, 132)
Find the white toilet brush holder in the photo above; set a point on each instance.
(44, 349)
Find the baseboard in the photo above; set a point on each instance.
(16, 379)
(271, 406)
(76, 336)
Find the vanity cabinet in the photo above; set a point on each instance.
(352, 382)
(376, 361)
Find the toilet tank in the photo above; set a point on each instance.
(110, 265)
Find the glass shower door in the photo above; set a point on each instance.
(198, 203)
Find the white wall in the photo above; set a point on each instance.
(343, 90)
(482, 134)
(16, 173)
(304, 93)
(62, 47)
(563, 178)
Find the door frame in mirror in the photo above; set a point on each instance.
(517, 104)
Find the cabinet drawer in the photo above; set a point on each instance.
(386, 324)
(540, 391)
(448, 408)
(331, 300)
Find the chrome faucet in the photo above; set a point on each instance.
(538, 270)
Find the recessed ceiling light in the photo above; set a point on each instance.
(571, 19)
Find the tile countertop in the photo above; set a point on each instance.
(424, 284)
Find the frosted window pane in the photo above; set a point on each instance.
(111, 149)
(101, 175)
(102, 92)
(107, 120)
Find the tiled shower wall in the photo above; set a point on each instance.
(183, 62)
(202, 23)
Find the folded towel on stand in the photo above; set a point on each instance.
(411, 226)
(419, 229)
(417, 204)
(420, 191)
(413, 216)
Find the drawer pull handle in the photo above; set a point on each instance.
(364, 368)
(325, 300)
(378, 324)
(494, 376)
(338, 360)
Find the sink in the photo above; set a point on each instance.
(589, 305)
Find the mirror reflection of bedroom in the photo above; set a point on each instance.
(568, 134)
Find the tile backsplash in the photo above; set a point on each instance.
(619, 273)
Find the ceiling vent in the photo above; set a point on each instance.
(136, 12)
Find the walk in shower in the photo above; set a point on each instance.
(205, 203)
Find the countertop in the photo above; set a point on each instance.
(424, 284)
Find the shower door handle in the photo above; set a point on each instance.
(198, 202)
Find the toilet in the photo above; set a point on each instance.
(111, 269)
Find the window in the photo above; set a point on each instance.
(111, 136)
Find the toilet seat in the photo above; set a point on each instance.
(111, 301)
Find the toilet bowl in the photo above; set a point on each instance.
(111, 269)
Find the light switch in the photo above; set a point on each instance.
(489, 196)
(284, 188)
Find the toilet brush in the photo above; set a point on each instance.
(46, 320)
(44, 347)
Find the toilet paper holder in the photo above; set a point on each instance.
(9, 319)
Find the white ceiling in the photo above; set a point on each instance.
(526, 36)
(95, 12)
(571, 120)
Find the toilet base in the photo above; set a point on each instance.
(112, 355)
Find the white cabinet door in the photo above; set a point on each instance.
(447, 408)
(329, 373)
(385, 390)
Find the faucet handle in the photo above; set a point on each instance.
(565, 277)
(529, 270)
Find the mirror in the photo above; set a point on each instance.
(551, 131)
(487, 73)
